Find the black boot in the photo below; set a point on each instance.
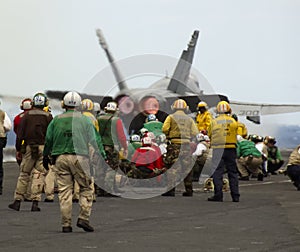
(85, 225)
(34, 207)
(214, 198)
(170, 193)
(188, 193)
(16, 205)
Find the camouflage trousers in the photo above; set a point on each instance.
(106, 172)
(70, 168)
(31, 171)
(199, 162)
(179, 164)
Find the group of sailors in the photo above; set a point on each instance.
(84, 149)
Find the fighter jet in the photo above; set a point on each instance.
(136, 103)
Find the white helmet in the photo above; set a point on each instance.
(26, 104)
(72, 99)
(151, 117)
(111, 106)
(40, 100)
(161, 138)
(97, 107)
(200, 137)
(143, 131)
(146, 140)
(206, 138)
(151, 135)
(135, 138)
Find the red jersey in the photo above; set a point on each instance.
(147, 156)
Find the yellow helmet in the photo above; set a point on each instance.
(209, 185)
(202, 104)
(223, 107)
(179, 104)
(87, 105)
(225, 187)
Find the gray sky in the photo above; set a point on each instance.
(248, 50)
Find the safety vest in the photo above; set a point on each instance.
(179, 128)
(223, 132)
(108, 130)
(203, 120)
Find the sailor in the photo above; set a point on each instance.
(153, 125)
(50, 179)
(275, 160)
(249, 159)
(222, 133)
(146, 159)
(87, 109)
(179, 129)
(114, 139)
(68, 141)
(261, 146)
(242, 129)
(200, 155)
(203, 117)
(26, 105)
(293, 167)
(31, 139)
(5, 126)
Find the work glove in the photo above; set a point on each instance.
(46, 161)
(19, 157)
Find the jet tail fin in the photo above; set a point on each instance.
(121, 83)
(178, 83)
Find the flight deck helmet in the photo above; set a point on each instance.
(97, 107)
(40, 100)
(223, 107)
(151, 117)
(202, 106)
(269, 139)
(87, 105)
(71, 99)
(179, 104)
(26, 104)
(111, 107)
(135, 138)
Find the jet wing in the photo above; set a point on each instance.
(257, 109)
(58, 95)
(253, 111)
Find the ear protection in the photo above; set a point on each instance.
(62, 104)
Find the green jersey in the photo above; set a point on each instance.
(71, 133)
